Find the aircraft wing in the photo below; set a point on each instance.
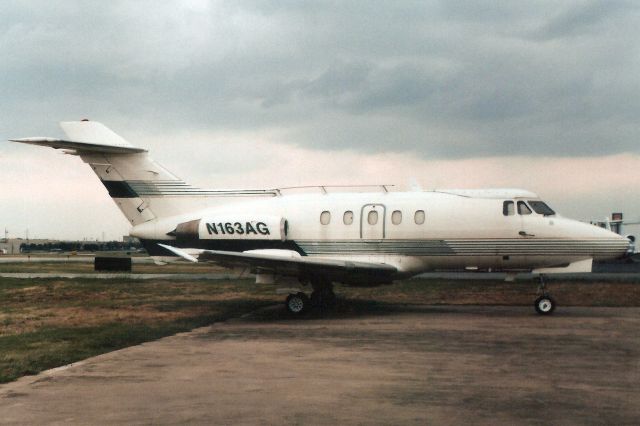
(286, 263)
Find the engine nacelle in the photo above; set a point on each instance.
(233, 227)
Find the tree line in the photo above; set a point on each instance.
(91, 246)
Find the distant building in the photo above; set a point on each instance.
(127, 239)
(12, 245)
(618, 224)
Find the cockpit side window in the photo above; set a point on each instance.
(508, 208)
(541, 208)
(523, 208)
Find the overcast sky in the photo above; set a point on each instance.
(543, 95)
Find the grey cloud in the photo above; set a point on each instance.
(339, 80)
(441, 79)
(584, 18)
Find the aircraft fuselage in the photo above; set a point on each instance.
(413, 231)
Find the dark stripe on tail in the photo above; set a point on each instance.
(119, 189)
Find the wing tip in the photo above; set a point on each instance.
(181, 253)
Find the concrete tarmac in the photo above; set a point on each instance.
(373, 364)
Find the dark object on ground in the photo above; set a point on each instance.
(112, 264)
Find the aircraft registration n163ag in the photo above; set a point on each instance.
(356, 238)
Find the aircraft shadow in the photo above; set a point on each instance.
(361, 308)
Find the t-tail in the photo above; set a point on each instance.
(142, 189)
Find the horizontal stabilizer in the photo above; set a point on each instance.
(86, 136)
(79, 146)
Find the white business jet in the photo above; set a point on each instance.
(356, 238)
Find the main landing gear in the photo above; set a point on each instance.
(544, 304)
(297, 303)
(322, 297)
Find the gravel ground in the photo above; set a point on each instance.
(372, 364)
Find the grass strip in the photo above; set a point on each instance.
(50, 347)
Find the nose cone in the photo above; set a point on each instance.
(570, 228)
(599, 232)
(599, 243)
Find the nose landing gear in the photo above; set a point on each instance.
(545, 305)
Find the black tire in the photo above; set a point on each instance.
(545, 305)
(297, 303)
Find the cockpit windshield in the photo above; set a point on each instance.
(541, 208)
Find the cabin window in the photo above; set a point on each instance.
(523, 208)
(418, 217)
(541, 208)
(396, 217)
(372, 217)
(325, 217)
(347, 218)
(508, 208)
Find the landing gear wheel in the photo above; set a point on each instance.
(297, 303)
(545, 304)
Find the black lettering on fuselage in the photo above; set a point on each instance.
(250, 229)
(262, 228)
(211, 228)
(239, 228)
(229, 228)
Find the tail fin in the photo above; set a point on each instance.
(130, 176)
(142, 188)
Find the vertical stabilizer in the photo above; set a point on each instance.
(127, 175)
(140, 187)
